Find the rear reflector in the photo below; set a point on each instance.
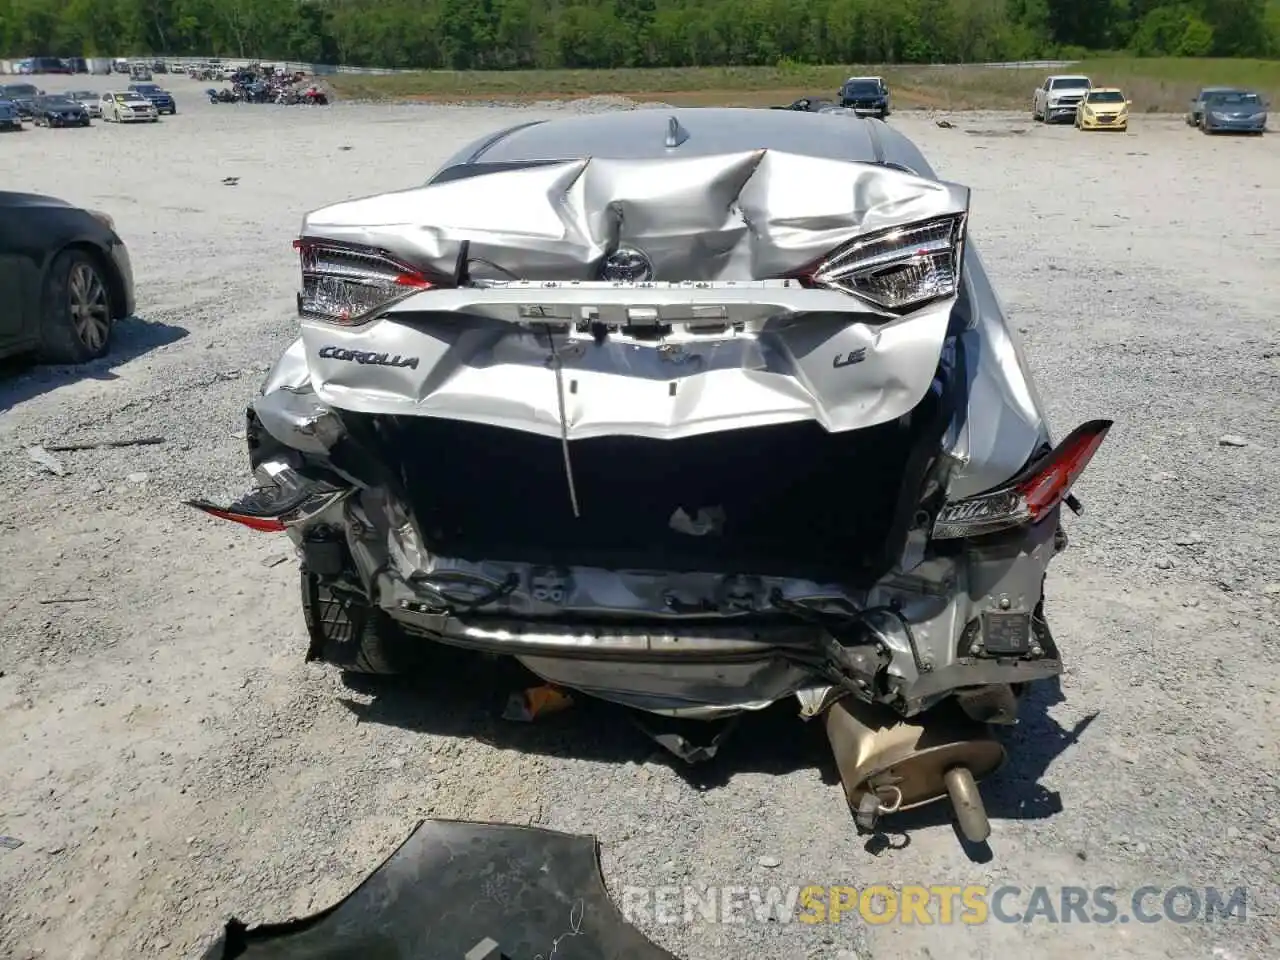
(1029, 496)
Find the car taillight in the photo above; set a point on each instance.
(1030, 495)
(347, 283)
(899, 268)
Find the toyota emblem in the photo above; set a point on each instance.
(628, 265)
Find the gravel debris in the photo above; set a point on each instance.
(176, 702)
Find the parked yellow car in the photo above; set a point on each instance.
(1104, 108)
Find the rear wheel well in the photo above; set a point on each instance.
(110, 275)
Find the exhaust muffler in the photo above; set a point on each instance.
(889, 764)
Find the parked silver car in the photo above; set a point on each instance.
(1233, 111)
(1195, 112)
(692, 411)
(88, 99)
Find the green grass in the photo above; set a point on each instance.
(1154, 85)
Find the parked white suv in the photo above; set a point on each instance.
(1059, 97)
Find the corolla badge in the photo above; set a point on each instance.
(368, 357)
(628, 265)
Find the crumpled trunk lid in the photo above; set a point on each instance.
(722, 338)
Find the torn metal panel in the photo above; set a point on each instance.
(471, 891)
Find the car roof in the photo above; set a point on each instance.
(12, 198)
(1105, 90)
(703, 131)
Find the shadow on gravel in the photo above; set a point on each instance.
(461, 694)
(21, 380)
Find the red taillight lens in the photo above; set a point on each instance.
(1030, 495)
(261, 524)
(1049, 484)
(347, 283)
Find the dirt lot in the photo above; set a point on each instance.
(169, 760)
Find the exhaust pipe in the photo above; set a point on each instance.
(888, 764)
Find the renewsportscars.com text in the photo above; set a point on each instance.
(934, 904)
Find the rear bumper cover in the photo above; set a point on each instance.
(614, 634)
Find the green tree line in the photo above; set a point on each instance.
(550, 34)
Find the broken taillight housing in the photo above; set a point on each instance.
(1028, 497)
(348, 283)
(902, 267)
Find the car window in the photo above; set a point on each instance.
(1070, 83)
(1106, 96)
(1250, 99)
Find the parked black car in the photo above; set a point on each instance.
(10, 118)
(866, 95)
(58, 111)
(23, 96)
(65, 278)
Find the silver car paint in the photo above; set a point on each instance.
(745, 196)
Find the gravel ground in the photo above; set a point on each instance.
(169, 760)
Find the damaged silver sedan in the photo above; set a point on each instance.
(689, 410)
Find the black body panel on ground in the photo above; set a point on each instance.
(462, 891)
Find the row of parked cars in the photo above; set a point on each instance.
(1090, 107)
(135, 69)
(1076, 98)
(141, 102)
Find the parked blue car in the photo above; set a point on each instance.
(23, 96)
(10, 118)
(1242, 111)
(161, 98)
